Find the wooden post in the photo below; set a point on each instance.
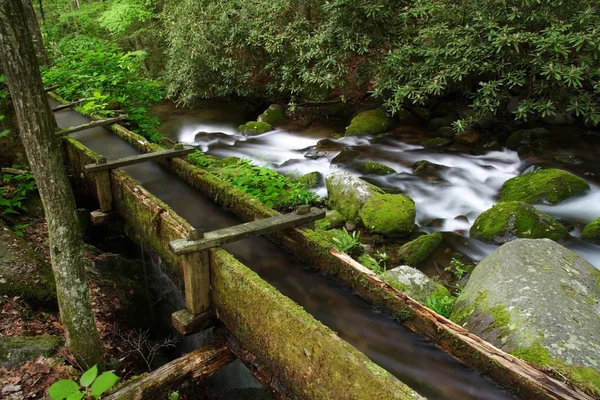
(196, 276)
(103, 188)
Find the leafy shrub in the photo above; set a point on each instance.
(346, 242)
(92, 386)
(440, 303)
(370, 263)
(14, 192)
(459, 268)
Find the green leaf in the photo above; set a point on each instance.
(62, 389)
(104, 382)
(76, 396)
(88, 376)
(174, 396)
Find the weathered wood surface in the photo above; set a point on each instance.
(104, 191)
(244, 231)
(70, 105)
(15, 171)
(50, 88)
(123, 162)
(200, 363)
(92, 124)
(187, 323)
(99, 218)
(196, 277)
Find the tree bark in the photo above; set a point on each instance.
(37, 126)
(36, 33)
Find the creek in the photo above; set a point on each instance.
(411, 358)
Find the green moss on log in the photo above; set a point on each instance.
(419, 249)
(389, 214)
(543, 186)
(369, 122)
(591, 232)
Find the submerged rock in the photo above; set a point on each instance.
(369, 123)
(510, 220)
(565, 159)
(254, 128)
(272, 115)
(437, 142)
(389, 214)
(549, 186)
(346, 158)
(591, 232)
(541, 302)
(348, 194)
(416, 251)
(424, 167)
(534, 136)
(14, 351)
(414, 283)
(375, 168)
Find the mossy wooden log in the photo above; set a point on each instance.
(69, 105)
(200, 363)
(137, 159)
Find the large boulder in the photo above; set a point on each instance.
(369, 122)
(348, 194)
(419, 249)
(389, 214)
(23, 272)
(414, 283)
(514, 219)
(548, 186)
(272, 115)
(14, 351)
(541, 302)
(591, 232)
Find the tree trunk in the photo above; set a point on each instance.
(37, 125)
(36, 33)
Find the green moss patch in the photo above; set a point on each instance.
(272, 115)
(419, 249)
(16, 350)
(369, 123)
(591, 232)
(389, 214)
(254, 128)
(514, 219)
(543, 186)
(526, 136)
(374, 168)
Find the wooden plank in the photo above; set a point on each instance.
(50, 88)
(196, 277)
(244, 231)
(104, 191)
(198, 364)
(122, 162)
(187, 323)
(92, 124)
(98, 217)
(65, 106)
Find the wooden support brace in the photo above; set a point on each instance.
(92, 124)
(196, 277)
(98, 217)
(187, 324)
(65, 106)
(50, 88)
(247, 230)
(123, 162)
(103, 187)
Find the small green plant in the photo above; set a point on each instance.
(458, 268)
(91, 386)
(344, 241)
(382, 258)
(14, 192)
(370, 263)
(174, 396)
(441, 304)
(95, 105)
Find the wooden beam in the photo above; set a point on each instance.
(122, 162)
(187, 323)
(98, 217)
(244, 231)
(50, 88)
(200, 363)
(15, 171)
(65, 106)
(196, 278)
(92, 124)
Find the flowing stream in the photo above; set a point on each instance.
(474, 182)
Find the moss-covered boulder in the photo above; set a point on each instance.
(415, 251)
(591, 232)
(437, 123)
(530, 137)
(369, 122)
(414, 283)
(548, 186)
(375, 168)
(437, 142)
(14, 351)
(310, 180)
(539, 301)
(254, 128)
(333, 219)
(348, 194)
(515, 219)
(272, 115)
(23, 272)
(389, 214)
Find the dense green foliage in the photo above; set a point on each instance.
(543, 53)
(14, 191)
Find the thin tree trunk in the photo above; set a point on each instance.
(36, 123)
(36, 33)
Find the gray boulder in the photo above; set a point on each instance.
(414, 283)
(541, 302)
(348, 194)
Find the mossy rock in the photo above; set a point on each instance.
(310, 180)
(438, 123)
(591, 232)
(346, 158)
(424, 166)
(566, 160)
(437, 142)
(527, 136)
(445, 132)
(272, 115)
(469, 137)
(369, 122)
(414, 283)
(348, 193)
(539, 301)
(14, 351)
(515, 219)
(421, 113)
(389, 214)
(254, 128)
(416, 251)
(548, 186)
(375, 168)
